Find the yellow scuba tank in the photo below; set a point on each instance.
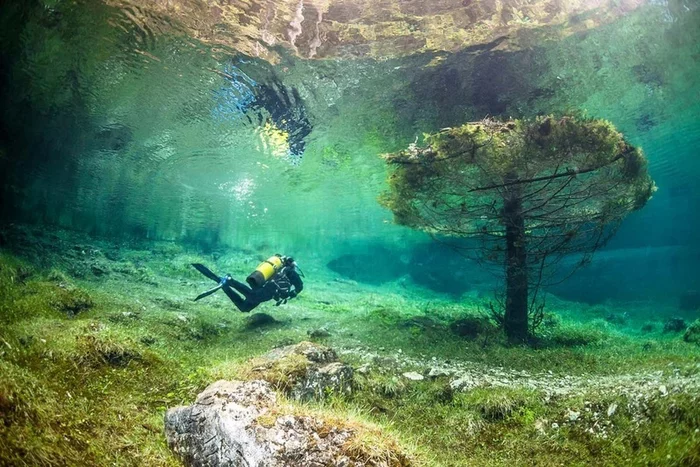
(264, 271)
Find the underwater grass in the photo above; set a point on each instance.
(90, 362)
(499, 426)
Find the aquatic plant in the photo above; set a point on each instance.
(530, 191)
(498, 405)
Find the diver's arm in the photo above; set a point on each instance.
(296, 281)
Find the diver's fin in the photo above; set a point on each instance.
(204, 270)
(208, 292)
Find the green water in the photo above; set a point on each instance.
(139, 137)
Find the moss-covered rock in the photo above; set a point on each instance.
(243, 423)
(98, 350)
(472, 326)
(692, 334)
(574, 335)
(71, 300)
(304, 371)
(675, 324)
(260, 320)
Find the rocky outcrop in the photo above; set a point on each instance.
(304, 371)
(236, 424)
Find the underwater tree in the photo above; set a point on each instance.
(532, 192)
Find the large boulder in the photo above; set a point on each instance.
(234, 423)
(304, 371)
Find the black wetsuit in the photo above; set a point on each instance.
(281, 287)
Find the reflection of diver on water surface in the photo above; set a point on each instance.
(277, 278)
(281, 115)
(287, 113)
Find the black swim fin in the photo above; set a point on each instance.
(205, 271)
(208, 292)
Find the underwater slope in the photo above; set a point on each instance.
(100, 338)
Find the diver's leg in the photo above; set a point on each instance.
(237, 300)
(248, 305)
(240, 287)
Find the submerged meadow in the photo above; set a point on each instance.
(493, 206)
(100, 338)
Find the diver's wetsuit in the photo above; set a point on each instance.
(279, 288)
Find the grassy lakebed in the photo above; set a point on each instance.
(98, 339)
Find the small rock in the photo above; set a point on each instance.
(319, 333)
(663, 390)
(471, 326)
(305, 371)
(258, 320)
(413, 376)
(98, 270)
(539, 426)
(573, 416)
(437, 372)
(611, 409)
(555, 426)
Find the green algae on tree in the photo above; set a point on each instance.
(532, 191)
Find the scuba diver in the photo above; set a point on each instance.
(277, 278)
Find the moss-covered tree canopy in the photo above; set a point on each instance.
(533, 191)
(567, 172)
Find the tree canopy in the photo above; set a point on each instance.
(533, 191)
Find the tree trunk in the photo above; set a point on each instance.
(516, 314)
